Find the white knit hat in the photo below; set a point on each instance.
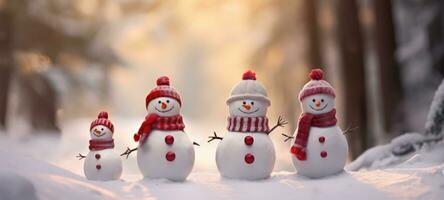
(249, 88)
(317, 85)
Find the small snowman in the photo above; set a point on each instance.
(320, 147)
(102, 163)
(165, 150)
(246, 151)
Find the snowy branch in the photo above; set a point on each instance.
(435, 118)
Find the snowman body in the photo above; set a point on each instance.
(326, 149)
(245, 154)
(103, 165)
(152, 155)
(238, 159)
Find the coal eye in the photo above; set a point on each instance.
(322, 100)
(313, 100)
(252, 103)
(102, 129)
(244, 102)
(168, 101)
(159, 102)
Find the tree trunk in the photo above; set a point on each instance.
(6, 62)
(385, 44)
(39, 100)
(351, 55)
(312, 31)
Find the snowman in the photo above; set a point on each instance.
(246, 151)
(164, 150)
(102, 163)
(320, 147)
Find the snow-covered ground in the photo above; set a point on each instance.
(42, 168)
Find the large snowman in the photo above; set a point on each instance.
(246, 151)
(164, 150)
(102, 163)
(320, 147)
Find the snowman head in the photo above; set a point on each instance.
(248, 108)
(248, 98)
(163, 100)
(317, 96)
(102, 128)
(164, 106)
(318, 104)
(101, 132)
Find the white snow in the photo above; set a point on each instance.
(435, 107)
(49, 167)
(382, 156)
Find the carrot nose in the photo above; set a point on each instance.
(318, 103)
(248, 107)
(164, 105)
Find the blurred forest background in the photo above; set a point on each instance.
(61, 59)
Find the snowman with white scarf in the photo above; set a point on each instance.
(246, 151)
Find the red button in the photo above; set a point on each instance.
(323, 154)
(249, 158)
(169, 139)
(249, 140)
(170, 156)
(322, 139)
(98, 167)
(97, 156)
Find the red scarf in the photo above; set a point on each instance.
(307, 120)
(248, 124)
(153, 121)
(97, 145)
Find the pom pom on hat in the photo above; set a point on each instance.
(102, 115)
(102, 119)
(163, 80)
(316, 74)
(249, 75)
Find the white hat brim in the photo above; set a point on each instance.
(248, 96)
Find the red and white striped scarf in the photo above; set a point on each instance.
(97, 145)
(248, 124)
(153, 121)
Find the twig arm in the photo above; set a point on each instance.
(287, 137)
(214, 137)
(80, 156)
(128, 152)
(280, 123)
(349, 130)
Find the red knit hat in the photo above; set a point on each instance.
(163, 89)
(317, 85)
(102, 119)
